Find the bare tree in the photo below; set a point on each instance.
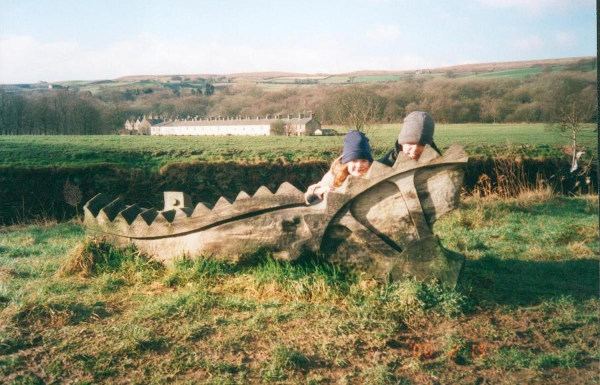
(573, 103)
(278, 127)
(358, 108)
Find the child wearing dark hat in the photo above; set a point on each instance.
(355, 160)
(417, 131)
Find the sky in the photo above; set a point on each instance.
(58, 40)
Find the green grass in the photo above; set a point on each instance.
(335, 80)
(526, 310)
(151, 153)
(519, 73)
(516, 73)
(378, 78)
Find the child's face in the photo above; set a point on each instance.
(412, 150)
(358, 167)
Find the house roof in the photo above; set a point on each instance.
(242, 122)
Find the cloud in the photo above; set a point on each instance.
(24, 59)
(383, 33)
(564, 38)
(529, 43)
(536, 7)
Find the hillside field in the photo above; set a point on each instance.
(151, 153)
(74, 310)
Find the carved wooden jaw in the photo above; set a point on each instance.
(370, 222)
(112, 216)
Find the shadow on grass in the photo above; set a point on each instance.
(518, 282)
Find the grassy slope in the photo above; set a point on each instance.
(153, 152)
(527, 310)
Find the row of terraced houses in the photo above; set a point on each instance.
(291, 125)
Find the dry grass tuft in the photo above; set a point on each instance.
(7, 273)
(539, 194)
(81, 259)
(580, 250)
(29, 241)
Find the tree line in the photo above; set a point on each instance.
(448, 99)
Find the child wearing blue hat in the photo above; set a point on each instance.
(355, 160)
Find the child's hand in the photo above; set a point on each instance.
(315, 192)
(321, 190)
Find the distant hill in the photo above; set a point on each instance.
(275, 80)
(463, 68)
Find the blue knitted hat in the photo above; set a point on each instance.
(356, 146)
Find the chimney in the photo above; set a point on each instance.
(290, 116)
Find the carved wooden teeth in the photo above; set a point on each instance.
(130, 213)
(95, 204)
(149, 215)
(242, 195)
(167, 215)
(115, 210)
(222, 204)
(202, 209)
(263, 191)
(288, 189)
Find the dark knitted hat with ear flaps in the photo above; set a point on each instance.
(356, 146)
(418, 127)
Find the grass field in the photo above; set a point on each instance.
(377, 78)
(147, 152)
(335, 80)
(525, 312)
(516, 73)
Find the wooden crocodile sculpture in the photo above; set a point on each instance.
(381, 223)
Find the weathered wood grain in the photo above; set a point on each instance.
(382, 223)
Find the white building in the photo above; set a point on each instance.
(298, 126)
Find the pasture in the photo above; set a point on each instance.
(74, 309)
(526, 311)
(151, 153)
